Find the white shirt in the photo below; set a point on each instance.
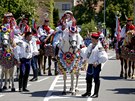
(25, 50)
(43, 32)
(35, 46)
(95, 55)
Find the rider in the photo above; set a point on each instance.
(66, 20)
(23, 25)
(126, 28)
(44, 34)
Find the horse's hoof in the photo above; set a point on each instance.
(76, 90)
(13, 89)
(4, 87)
(44, 72)
(49, 74)
(9, 87)
(70, 90)
(64, 93)
(1, 90)
(73, 93)
(56, 73)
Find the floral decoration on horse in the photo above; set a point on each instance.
(7, 59)
(68, 58)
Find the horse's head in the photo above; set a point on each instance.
(5, 37)
(73, 41)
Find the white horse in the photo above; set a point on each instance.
(69, 57)
(7, 61)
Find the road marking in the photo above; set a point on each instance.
(68, 85)
(80, 89)
(70, 81)
(47, 97)
(66, 96)
(112, 56)
(68, 78)
(1, 95)
(43, 79)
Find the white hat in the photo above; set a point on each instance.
(8, 14)
(68, 12)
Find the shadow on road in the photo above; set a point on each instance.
(51, 93)
(116, 78)
(111, 77)
(123, 90)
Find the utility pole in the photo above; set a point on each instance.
(134, 11)
(105, 17)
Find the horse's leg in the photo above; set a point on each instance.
(129, 68)
(17, 73)
(1, 79)
(64, 88)
(56, 62)
(55, 66)
(72, 82)
(121, 61)
(125, 67)
(44, 66)
(77, 78)
(11, 72)
(6, 78)
(72, 88)
(9, 79)
(40, 57)
(49, 64)
(133, 68)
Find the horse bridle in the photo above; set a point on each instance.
(71, 41)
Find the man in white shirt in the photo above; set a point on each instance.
(95, 56)
(25, 55)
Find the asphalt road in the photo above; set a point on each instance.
(49, 88)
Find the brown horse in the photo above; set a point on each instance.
(46, 51)
(127, 55)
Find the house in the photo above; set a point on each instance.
(63, 5)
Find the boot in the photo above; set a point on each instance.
(88, 90)
(49, 72)
(20, 84)
(96, 90)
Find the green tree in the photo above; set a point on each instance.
(18, 8)
(85, 11)
(55, 16)
(112, 6)
(89, 27)
(50, 7)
